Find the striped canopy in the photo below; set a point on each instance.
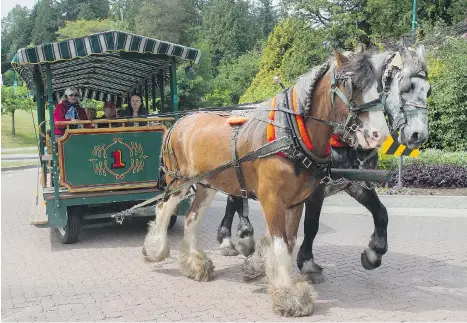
(102, 66)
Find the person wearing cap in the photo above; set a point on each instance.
(136, 109)
(68, 109)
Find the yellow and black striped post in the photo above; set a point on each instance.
(392, 147)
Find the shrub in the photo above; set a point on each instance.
(448, 103)
(432, 176)
(427, 157)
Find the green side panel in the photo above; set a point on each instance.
(109, 158)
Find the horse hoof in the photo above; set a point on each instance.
(253, 268)
(196, 265)
(313, 272)
(228, 249)
(156, 249)
(316, 278)
(296, 299)
(246, 245)
(370, 260)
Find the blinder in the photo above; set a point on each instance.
(375, 105)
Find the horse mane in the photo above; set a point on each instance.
(358, 67)
(361, 71)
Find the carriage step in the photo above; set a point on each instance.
(38, 213)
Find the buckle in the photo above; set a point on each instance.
(306, 162)
(244, 193)
(296, 153)
(237, 165)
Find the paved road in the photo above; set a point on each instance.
(423, 276)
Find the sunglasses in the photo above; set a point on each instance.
(74, 94)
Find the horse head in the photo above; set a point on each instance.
(407, 89)
(359, 100)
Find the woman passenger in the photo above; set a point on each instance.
(136, 109)
(68, 109)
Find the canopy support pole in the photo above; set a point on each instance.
(153, 93)
(146, 94)
(161, 87)
(173, 86)
(40, 118)
(52, 133)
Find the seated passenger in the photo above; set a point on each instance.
(91, 113)
(120, 113)
(110, 112)
(68, 109)
(135, 109)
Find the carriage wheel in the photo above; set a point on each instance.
(173, 220)
(71, 231)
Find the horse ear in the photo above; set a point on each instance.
(359, 48)
(340, 58)
(421, 51)
(401, 45)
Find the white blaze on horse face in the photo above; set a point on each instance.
(375, 129)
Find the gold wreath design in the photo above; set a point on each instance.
(101, 167)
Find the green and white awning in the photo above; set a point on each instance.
(107, 63)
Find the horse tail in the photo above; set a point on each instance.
(164, 155)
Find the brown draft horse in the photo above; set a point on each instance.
(201, 142)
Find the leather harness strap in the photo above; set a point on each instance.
(238, 169)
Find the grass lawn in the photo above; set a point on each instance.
(25, 136)
(18, 163)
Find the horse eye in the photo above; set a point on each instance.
(412, 86)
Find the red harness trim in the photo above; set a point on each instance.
(336, 141)
(271, 130)
(302, 128)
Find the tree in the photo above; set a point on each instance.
(70, 10)
(167, 20)
(234, 78)
(291, 49)
(80, 28)
(45, 24)
(230, 28)
(16, 33)
(266, 17)
(8, 78)
(125, 12)
(192, 93)
(13, 100)
(345, 21)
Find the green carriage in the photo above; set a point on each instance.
(92, 171)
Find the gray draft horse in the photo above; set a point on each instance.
(403, 77)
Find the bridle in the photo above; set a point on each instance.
(406, 108)
(353, 123)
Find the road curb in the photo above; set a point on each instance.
(5, 169)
